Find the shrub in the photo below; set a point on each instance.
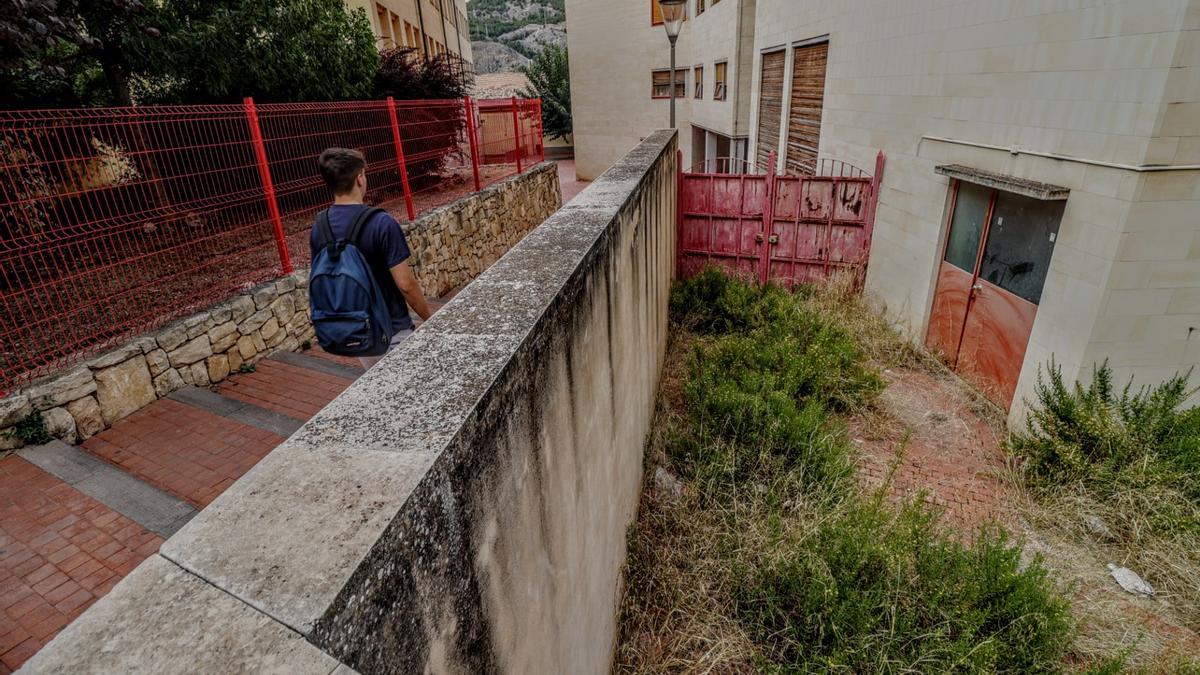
(31, 429)
(874, 589)
(1105, 441)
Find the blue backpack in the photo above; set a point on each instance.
(349, 313)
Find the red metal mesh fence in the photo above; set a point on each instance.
(116, 221)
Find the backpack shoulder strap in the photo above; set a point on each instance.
(324, 230)
(360, 222)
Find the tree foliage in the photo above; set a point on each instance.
(550, 79)
(405, 75)
(274, 50)
(102, 52)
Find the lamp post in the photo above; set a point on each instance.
(672, 15)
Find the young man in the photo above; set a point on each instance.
(382, 241)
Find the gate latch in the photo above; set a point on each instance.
(774, 239)
(758, 237)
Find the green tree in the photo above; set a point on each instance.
(550, 79)
(274, 50)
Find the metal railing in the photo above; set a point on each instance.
(115, 221)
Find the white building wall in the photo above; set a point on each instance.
(1107, 82)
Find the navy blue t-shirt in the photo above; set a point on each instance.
(383, 244)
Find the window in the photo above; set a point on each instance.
(719, 81)
(397, 34)
(656, 13)
(698, 78)
(1020, 238)
(662, 84)
(385, 36)
(409, 39)
(700, 7)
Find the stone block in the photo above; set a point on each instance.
(218, 367)
(194, 350)
(223, 336)
(234, 356)
(146, 343)
(75, 383)
(172, 336)
(275, 340)
(285, 285)
(200, 374)
(123, 389)
(246, 347)
(263, 295)
(269, 329)
(242, 307)
(88, 419)
(185, 374)
(60, 424)
(284, 308)
(255, 321)
(221, 313)
(167, 382)
(259, 344)
(157, 362)
(115, 356)
(198, 324)
(12, 408)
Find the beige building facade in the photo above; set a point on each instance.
(431, 26)
(620, 68)
(1077, 122)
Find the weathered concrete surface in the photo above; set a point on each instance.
(463, 506)
(161, 619)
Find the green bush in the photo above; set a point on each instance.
(821, 578)
(875, 589)
(1104, 441)
(31, 429)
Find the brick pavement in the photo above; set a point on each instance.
(188, 452)
(953, 452)
(60, 551)
(291, 390)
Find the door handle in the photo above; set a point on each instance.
(758, 238)
(773, 239)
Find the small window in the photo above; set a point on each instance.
(719, 82)
(700, 8)
(655, 13)
(662, 84)
(698, 79)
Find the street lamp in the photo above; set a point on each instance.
(672, 15)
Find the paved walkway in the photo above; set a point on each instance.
(75, 520)
(568, 183)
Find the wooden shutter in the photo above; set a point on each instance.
(655, 13)
(808, 97)
(770, 107)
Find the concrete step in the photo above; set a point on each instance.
(328, 366)
(141, 502)
(246, 413)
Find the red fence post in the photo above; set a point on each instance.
(872, 208)
(408, 200)
(764, 272)
(541, 131)
(517, 134)
(471, 137)
(264, 172)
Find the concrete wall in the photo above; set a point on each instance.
(1093, 83)
(463, 506)
(451, 245)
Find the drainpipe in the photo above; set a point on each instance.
(424, 33)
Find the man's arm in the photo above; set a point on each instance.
(406, 281)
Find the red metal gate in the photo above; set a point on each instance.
(779, 229)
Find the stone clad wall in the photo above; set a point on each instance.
(455, 243)
(451, 246)
(463, 506)
(200, 349)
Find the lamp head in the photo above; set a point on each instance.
(673, 12)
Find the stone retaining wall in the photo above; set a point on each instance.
(451, 246)
(463, 506)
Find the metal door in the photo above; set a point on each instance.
(989, 284)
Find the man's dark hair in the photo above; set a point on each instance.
(340, 168)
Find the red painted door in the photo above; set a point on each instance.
(989, 284)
